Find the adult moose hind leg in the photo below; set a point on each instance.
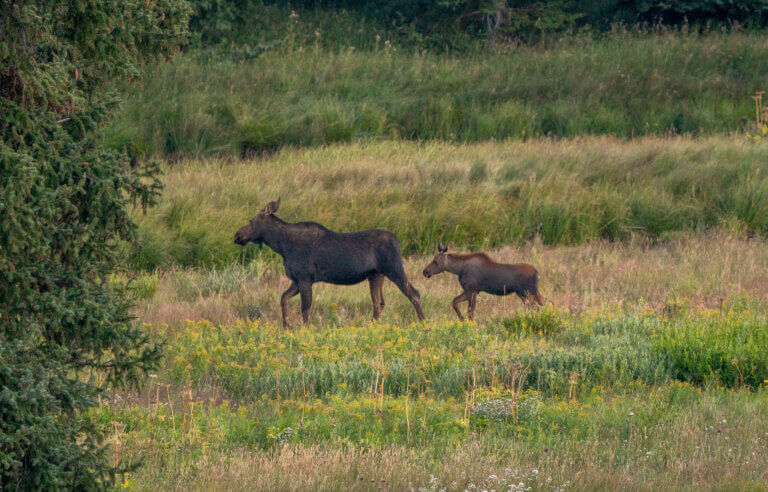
(377, 296)
(305, 289)
(456, 301)
(410, 292)
(288, 294)
(471, 306)
(391, 266)
(536, 300)
(381, 293)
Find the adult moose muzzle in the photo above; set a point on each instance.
(313, 253)
(477, 272)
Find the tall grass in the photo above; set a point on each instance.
(477, 196)
(582, 399)
(622, 84)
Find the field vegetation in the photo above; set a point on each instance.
(614, 145)
(646, 368)
(615, 159)
(691, 270)
(475, 195)
(617, 392)
(623, 83)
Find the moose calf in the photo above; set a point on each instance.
(479, 273)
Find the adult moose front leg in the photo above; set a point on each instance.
(305, 289)
(456, 301)
(288, 294)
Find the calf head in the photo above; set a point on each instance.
(438, 262)
(254, 230)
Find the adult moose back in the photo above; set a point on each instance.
(313, 253)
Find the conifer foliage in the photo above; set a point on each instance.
(65, 332)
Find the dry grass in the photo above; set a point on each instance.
(710, 440)
(699, 269)
(484, 195)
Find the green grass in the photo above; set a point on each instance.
(543, 348)
(622, 84)
(478, 196)
(543, 390)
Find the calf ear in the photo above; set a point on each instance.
(272, 207)
(441, 248)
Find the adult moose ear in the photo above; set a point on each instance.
(271, 207)
(441, 247)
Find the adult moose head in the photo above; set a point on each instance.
(312, 253)
(256, 228)
(477, 272)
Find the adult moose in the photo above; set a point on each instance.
(312, 253)
(477, 272)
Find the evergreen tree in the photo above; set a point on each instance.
(65, 331)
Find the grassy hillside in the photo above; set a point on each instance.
(622, 84)
(476, 196)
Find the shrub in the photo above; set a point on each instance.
(730, 351)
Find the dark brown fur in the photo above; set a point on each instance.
(477, 273)
(312, 253)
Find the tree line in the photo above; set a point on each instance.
(451, 23)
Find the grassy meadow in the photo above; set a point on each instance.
(623, 83)
(647, 367)
(552, 400)
(616, 163)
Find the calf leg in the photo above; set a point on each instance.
(376, 295)
(288, 294)
(471, 307)
(459, 299)
(305, 289)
